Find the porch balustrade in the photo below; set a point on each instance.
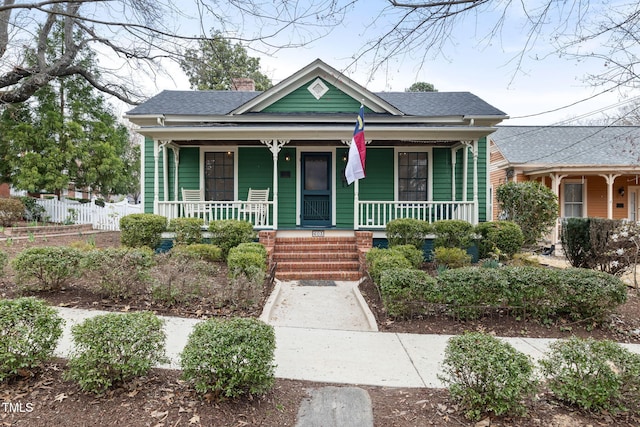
(376, 214)
(260, 215)
(371, 214)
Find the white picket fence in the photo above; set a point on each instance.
(101, 218)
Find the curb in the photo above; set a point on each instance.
(364, 307)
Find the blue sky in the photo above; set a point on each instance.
(465, 64)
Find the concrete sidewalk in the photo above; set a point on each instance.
(334, 356)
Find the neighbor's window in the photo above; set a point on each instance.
(573, 199)
(412, 175)
(218, 175)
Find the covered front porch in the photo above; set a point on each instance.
(305, 183)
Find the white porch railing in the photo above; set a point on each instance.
(259, 214)
(376, 214)
(101, 218)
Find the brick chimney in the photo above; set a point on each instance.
(243, 84)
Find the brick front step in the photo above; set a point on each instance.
(348, 266)
(320, 258)
(318, 275)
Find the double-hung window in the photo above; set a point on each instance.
(413, 175)
(573, 199)
(219, 175)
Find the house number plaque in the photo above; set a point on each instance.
(317, 233)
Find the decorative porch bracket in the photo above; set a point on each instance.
(275, 145)
(610, 179)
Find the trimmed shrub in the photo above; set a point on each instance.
(144, 229)
(204, 251)
(46, 267)
(451, 257)
(468, 290)
(499, 238)
(29, 332)
(487, 375)
(534, 289)
(120, 272)
(179, 277)
(187, 230)
(230, 358)
(115, 348)
(379, 260)
(453, 233)
(414, 255)
(229, 233)
(588, 294)
(575, 239)
(403, 290)
(248, 259)
(11, 211)
(593, 375)
(407, 231)
(4, 260)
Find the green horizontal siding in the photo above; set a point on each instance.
(344, 193)
(441, 159)
(255, 170)
(287, 188)
(378, 184)
(189, 170)
(301, 100)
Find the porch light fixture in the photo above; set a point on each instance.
(621, 191)
(344, 158)
(287, 158)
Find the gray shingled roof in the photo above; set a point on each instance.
(569, 145)
(430, 104)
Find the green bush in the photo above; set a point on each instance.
(120, 272)
(379, 260)
(29, 332)
(11, 211)
(230, 358)
(451, 257)
(535, 290)
(144, 229)
(187, 230)
(468, 290)
(411, 253)
(531, 205)
(32, 210)
(453, 233)
(229, 233)
(407, 231)
(204, 251)
(574, 235)
(593, 375)
(403, 290)
(46, 267)
(180, 277)
(588, 294)
(115, 348)
(4, 260)
(248, 259)
(499, 238)
(486, 375)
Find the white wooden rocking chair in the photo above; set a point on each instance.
(256, 206)
(196, 208)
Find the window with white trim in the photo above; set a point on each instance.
(218, 175)
(413, 175)
(573, 199)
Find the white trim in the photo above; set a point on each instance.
(299, 183)
(584, 195)
(633, 211)
(219, 149)
(396, 161)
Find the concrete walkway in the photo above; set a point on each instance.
(325, 332)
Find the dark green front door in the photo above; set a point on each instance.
(316, 190)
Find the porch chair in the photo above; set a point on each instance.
(195, 209)
(256, 205)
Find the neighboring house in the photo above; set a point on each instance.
(427, 154)
(594, 170)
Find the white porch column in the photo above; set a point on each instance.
(165, 173)
(610, 179)
(556, 179)
(454, 155)
(275, 145)
(465, 167)
(176, 162)
(476, 208)
(158, 147)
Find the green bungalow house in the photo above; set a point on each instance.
(427, 156)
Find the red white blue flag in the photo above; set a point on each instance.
(357, 151)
